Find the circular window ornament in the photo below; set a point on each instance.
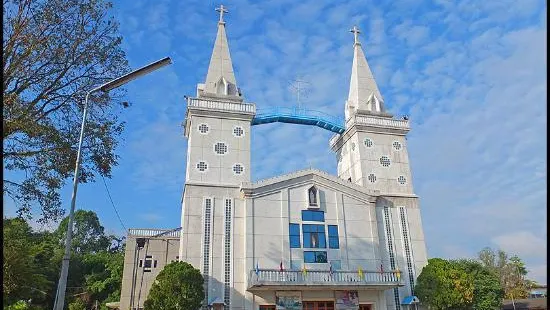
(238, 169)
(368, 142)
(203, 128)
(397, 145)
(402, 180)
(220, 148)
(238, 131)
(385, 161)
(372, 178)
(202, 166)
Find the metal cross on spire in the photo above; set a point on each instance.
(356, 33)
(222, 10)
(299, 86)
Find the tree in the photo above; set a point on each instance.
(22, 277)
(442, 285)
(511, 272)
(488, 293)
(88, 234)
(32, 263)
(178, 286)
(103, 278)
(54, 52)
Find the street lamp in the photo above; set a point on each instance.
(62, 284)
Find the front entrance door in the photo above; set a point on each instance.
(318, 305)
(365, 307)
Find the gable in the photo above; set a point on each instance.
(307, 178)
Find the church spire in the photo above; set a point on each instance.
(220, 79)
(363, 91)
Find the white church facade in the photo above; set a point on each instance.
(304, 240)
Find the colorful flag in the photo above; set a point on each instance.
(330, 268)
(360, 272)
(304, 270)
(281, 266)
(398, 273)
(257, 268)
(381, 268)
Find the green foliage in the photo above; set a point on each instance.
(32, 262)
(22, 277)
(88, 234)
(178, 286)
(442, 285)
(54, 51)
(77, 304)
(103, 278)
(511, 272)
(19, 305)
(488, 293)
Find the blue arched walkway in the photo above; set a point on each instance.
(298, 116)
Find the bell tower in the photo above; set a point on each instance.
(217, 127)
(372, 152)
(217, 123)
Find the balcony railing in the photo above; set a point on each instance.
(210, 104)
(146, 232)
(273, 277)
(381, 122)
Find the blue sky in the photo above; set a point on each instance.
(471, 75)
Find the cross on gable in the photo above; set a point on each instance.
(356, 33)
(222, 10)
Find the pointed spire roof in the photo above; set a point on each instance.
(220, 79)
(363, 91)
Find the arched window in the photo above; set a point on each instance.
(312, 196)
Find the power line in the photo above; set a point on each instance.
(113, 204)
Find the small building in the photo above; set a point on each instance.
(538, 291)
(525, 304)
(147, 252)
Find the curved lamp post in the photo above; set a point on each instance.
(62, 284)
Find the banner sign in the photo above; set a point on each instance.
(288, 300)
(346, 300)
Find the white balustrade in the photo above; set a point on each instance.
(144, 232)
(321, 277)
(379, 121)
(221, 105)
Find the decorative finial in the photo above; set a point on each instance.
(356, 33)
(222, 10)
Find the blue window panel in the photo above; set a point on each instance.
(315, 257)
(316, 216)
(333, 241)
(313, 228)
(294, 235)
(314, 236)
(333, 230)
(295, 241)
(294, 229)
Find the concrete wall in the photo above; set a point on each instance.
(136, 281)
(220, 166)
(358, 161)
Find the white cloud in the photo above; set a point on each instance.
(474, 83)
(522, 243)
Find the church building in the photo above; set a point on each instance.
(303, 240)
